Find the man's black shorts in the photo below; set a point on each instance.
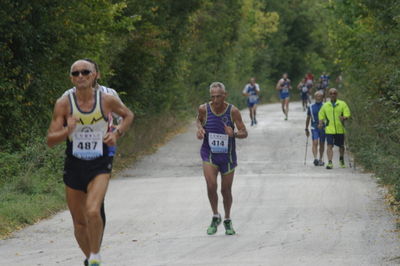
(78, 173)
(335, 139)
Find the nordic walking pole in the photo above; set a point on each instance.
(346, 146)
(305, 155)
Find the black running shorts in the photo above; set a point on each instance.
(78, 173)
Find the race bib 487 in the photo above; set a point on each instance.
(87, 145)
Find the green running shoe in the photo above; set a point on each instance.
(228, 227)
(329, 165)
(342, 164)
(212, 229)
(94, 263)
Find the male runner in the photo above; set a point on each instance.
(317, 134)
(333, 113)
(81, 119)
(118, 119)
(216, 122)
(324, 80)
(310, 84)
(304, 91)
(283, 86)
(251, 91)
(104, 89)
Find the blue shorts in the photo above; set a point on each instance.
(251, 103)
(335, 139)
(318, 134)
(304, 96)
(283, 95)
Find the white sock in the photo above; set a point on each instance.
(95, 256)
(217, 215)
(227, 219)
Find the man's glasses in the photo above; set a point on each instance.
(84, 72)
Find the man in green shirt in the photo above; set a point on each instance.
(334, 113)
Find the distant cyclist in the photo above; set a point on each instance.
(251, 91)
(304, 92)
(284, 86)
(317, 134)
(333, 113)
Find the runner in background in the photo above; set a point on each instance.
(333, 114)
(310, 85)
(251, 91)
(317, 134)
(216, 122)
(284, 86)
(304, 93)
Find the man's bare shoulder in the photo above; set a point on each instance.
(203, 107)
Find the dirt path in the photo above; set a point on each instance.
(284, 213)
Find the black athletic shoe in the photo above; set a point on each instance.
(86, 262)
(316, 162)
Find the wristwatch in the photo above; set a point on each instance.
(235, 134)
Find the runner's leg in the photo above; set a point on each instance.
(96, 192)
(315, 148)
(287, 106)
(211, 174)
(341, 151)
(226, 191)
(329, 152)
(251, 113)
(75, 202)
(321, 149)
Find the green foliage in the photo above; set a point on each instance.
(30, 185)
(38, 42)
(159, 55)
(364, 35)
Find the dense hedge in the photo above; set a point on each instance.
(365, 35)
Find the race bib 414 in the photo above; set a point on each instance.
(218, 142)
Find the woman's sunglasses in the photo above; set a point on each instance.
(84, 72)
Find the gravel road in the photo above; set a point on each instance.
(285, 213)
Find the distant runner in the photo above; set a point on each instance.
(304, 92)
(81, 119)
(310, 85)
(216, 127)
(251, 91)
(333, 113)
(324, 80)
(317, 134)
(283, 86)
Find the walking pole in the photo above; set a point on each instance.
(346, 147)
(305, 155)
